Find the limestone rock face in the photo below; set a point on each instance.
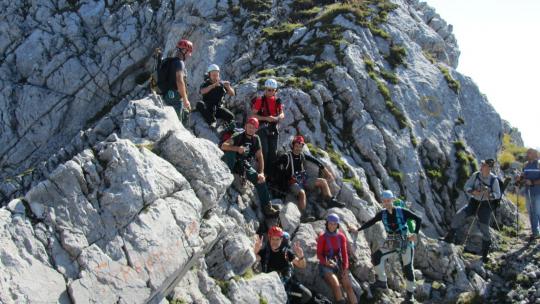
(107, 198)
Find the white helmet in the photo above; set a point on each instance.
(212, 67)
(271, 84)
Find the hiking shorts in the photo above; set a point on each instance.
(308, 184)
(323, 270)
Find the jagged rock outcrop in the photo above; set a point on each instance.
(108, 198)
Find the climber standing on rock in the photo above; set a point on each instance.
(482, 188)
(213, 89)
(292, 168)
(334, 260)
(278, 256)
(171, 80)
(240, 150)
(269, 111)
(531, 180)
(399, 241)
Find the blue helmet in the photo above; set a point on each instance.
(387, 194)
(332, 218)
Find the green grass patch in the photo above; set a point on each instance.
(465, 162)
(518, 200)
(305, 14)
(338, 161)
(396, 175)
(396, 56)
(452, 83)
(282, 31)
(357, 185)
(267, 73)
(400, 117)
(510, 152)
(223, 285)
(370, 65)
(377, 31)
(256, 5)
(331, 11)
(389, 76)
(315, 151)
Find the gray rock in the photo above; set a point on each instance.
(262, 287)
(199, 161)
(290, 217)
(25, 265)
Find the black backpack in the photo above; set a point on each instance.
(164, 83)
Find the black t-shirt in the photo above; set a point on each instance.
(176, 66)
(253, 144)
(214, 96)
(285, 165)
(279, 261)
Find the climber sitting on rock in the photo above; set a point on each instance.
(482, 188)
(334, 260)
(278, 256)
(240, 150)
(399, 241)
(291, 167)
(213, 89)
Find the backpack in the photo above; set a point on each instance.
(164, 83)
(502, 184)
(228, 131)
(402, 224)
(411, 224)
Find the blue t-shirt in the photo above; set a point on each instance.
(176, 65)
(531, 171)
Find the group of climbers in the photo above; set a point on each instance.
(258, 141)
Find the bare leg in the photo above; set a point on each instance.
(323, 185)
(332, 281)
(347, 285)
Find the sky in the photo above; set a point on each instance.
(499, 42)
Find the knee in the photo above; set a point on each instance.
(376, 258)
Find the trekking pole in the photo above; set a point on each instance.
(517, 213)
(475, 217)
(493, 214)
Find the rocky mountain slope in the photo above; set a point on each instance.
(107, 198)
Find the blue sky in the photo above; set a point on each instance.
(500, 50)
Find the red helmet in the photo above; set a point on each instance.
(275, 231)
(254, 121)
(298, 139)
(185, 44)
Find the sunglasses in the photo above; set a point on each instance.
(271, 90)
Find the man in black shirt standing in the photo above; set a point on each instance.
(277, 256)
(174, 88)
(292, 171)
(213, 89)
(240, 150)
(398, 242)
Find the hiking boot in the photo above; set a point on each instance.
(379, 285)
(450, 237)
(485, 251)
(270, 210)
(333, 202)
(305, 218)
(343, 301)
(409, 298)
(533, 237)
